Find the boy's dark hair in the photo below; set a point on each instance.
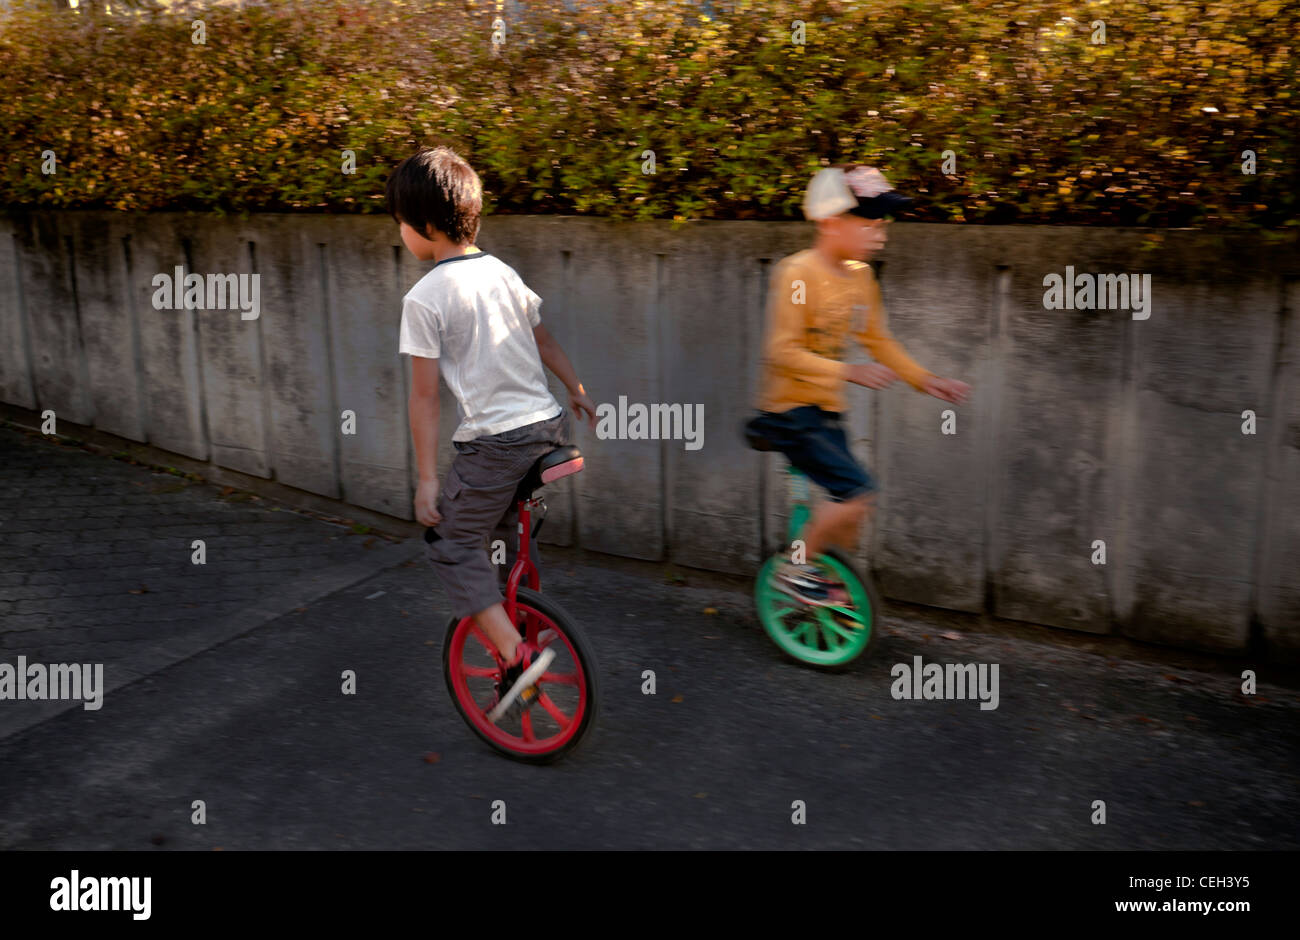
(436, 187)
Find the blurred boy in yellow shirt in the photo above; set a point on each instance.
(817, 297)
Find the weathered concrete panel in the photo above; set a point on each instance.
(931, 506)
(169, 358)
(1061, 371)
(303, 438)
(711, 338)
(613, 286)
(15, 371)
(1204, 356)
(1194, 514)
(1279, 512)
(230, 346)
(53, 334)
(365, 316)
(107, 333)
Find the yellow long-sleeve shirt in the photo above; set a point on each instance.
(811, 310)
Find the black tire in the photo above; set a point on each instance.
(548, 608)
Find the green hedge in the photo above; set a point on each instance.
(1045, 125)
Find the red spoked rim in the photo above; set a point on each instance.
(562, 701)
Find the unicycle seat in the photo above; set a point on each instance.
(561, 462)
(755, 439)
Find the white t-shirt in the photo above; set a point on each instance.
(475, 315)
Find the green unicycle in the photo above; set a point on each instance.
(828, 637)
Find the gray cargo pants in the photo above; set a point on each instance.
(477, 505)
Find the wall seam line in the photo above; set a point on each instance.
(24, 324)
(196, 334)
(137, 351)
(336, 442)
(263, 379)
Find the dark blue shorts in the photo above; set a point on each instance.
(813, 441)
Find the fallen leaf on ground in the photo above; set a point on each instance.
(710, 610)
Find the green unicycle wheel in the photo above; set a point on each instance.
(828, 637)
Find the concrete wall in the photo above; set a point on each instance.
(1084, 425)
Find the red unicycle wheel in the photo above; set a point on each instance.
(562, 712)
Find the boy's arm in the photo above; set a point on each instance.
(876, 339)
(424, 409)
(553, 357)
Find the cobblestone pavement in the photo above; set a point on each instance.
(95, 562)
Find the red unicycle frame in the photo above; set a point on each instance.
(524, 567)
(564, 708)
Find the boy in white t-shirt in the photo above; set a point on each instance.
(474, 320)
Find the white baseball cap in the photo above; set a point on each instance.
(861, 191)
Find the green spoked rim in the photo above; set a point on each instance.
(823, 636)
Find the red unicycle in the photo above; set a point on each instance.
(562, 708)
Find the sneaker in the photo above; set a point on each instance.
(519, 682)
(806, 583)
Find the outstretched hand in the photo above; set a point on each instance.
(947, 389)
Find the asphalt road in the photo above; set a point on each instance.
(258, 728)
